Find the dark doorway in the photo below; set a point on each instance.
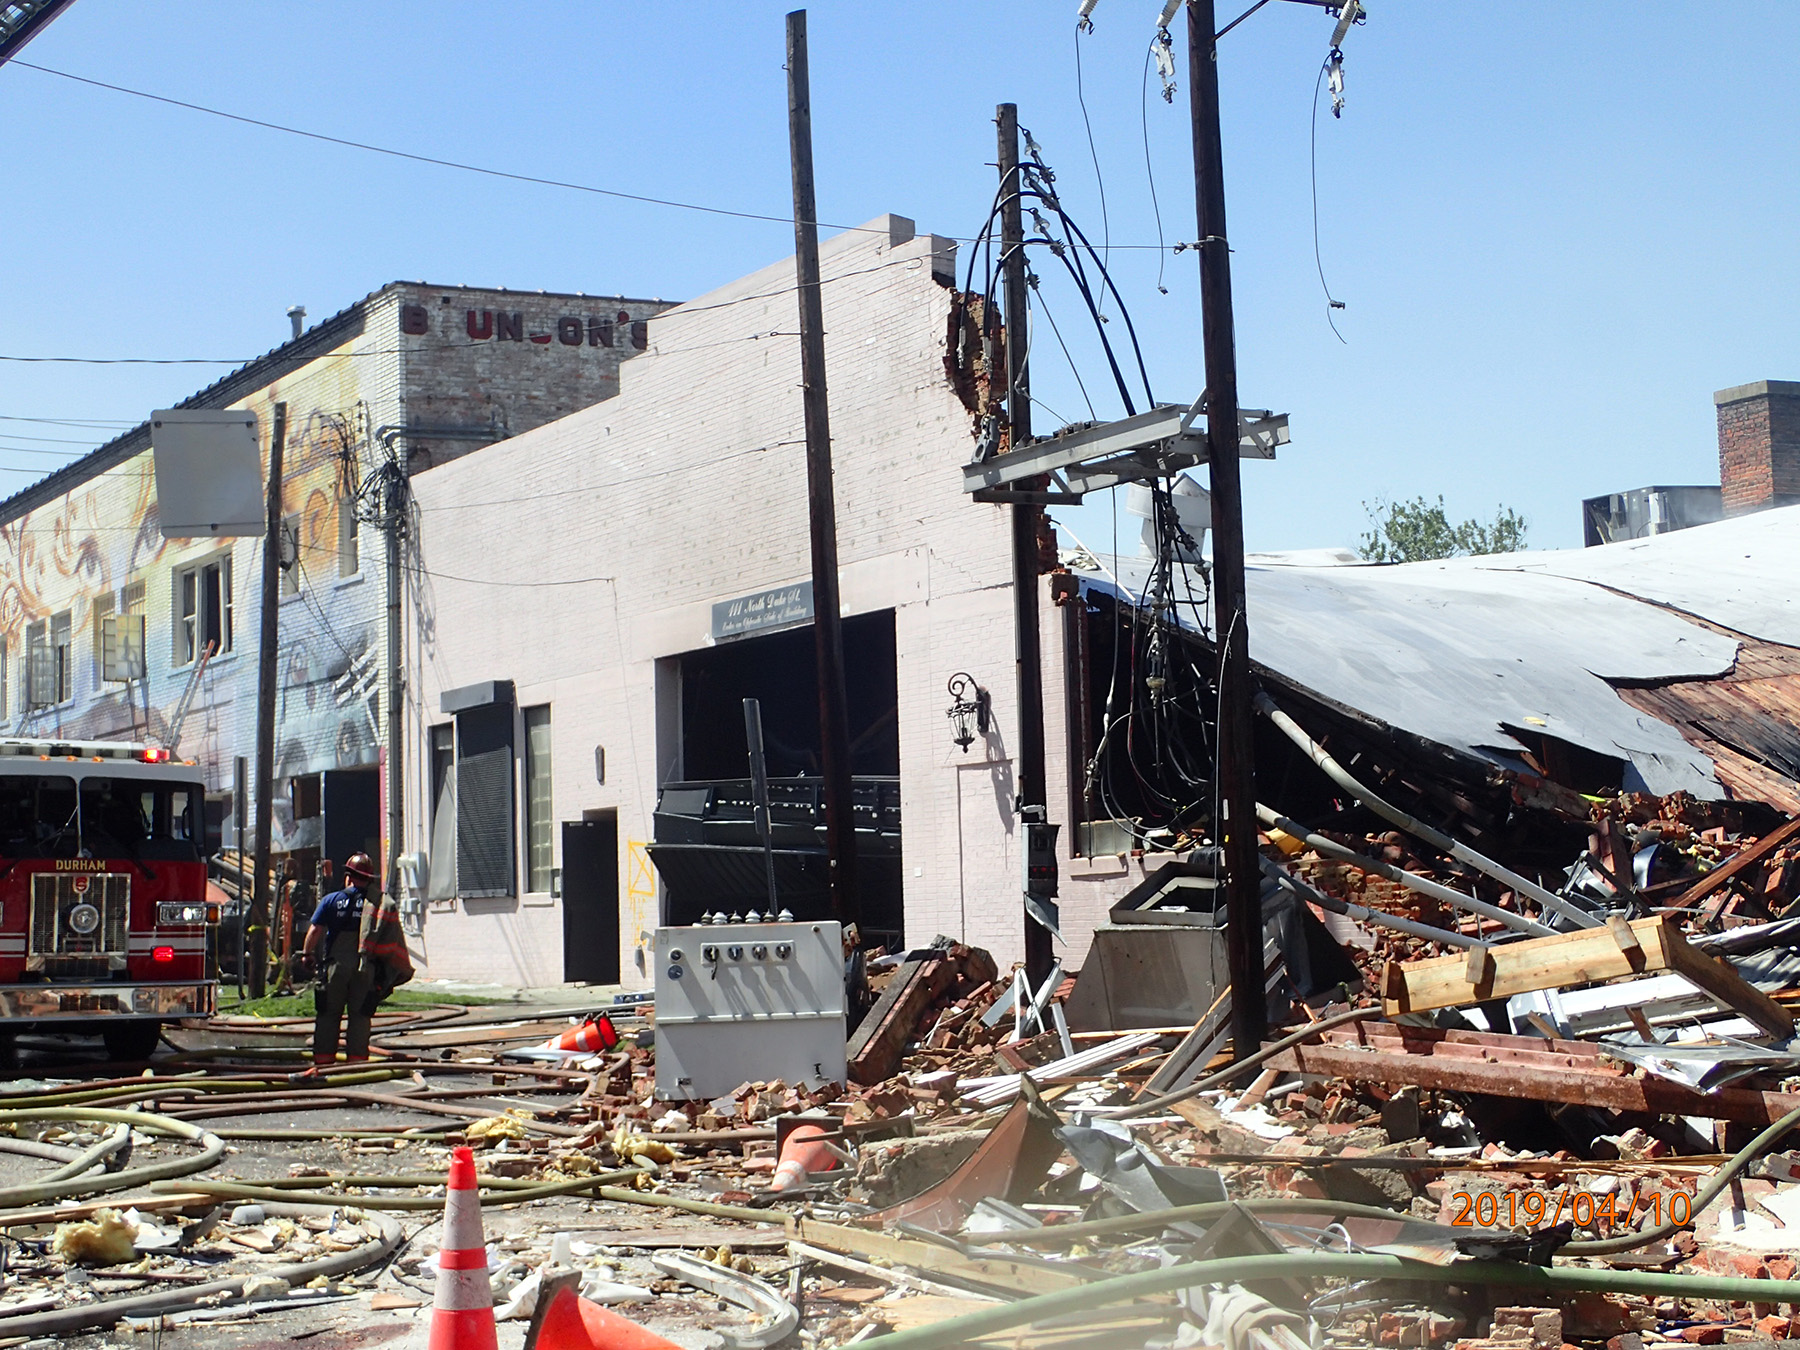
(707, 852)
(352, 808)
(781, 671)
(590, 899)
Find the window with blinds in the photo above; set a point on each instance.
(485, 821)
(540, 848)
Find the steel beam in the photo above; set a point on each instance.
(1150, 445)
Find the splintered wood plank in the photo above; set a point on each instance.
(1567, 959)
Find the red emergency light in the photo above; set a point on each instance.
(164, 954)
(153, 754)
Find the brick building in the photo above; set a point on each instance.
(643, 566)
(433, 371)
(1759, 445)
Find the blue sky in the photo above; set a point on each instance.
(1557, 228)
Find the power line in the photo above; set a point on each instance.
(522, 585)
(96, 422)
(457, 164)
(1331, 301)
(1149, 170)
(1093, 151)
(613, 483)
(674, 312)
(131, 360)
(423, 159)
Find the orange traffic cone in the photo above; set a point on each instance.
(462, 1313)
(563, 1320)
(589, 1037)
(803, 1151)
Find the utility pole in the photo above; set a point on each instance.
(394, 519)
(828, 631)
(1026, 655)
(265, 713)
(1237, 786)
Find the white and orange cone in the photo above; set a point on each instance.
(588, 1038)
(804, 1150)
(462, 1313)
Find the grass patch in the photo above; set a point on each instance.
(301, 1004)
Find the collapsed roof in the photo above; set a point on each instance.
(1678, 655)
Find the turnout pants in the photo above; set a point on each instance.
(347, 986)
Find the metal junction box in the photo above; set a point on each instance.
(748, 1002)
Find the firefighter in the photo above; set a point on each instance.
(333, 952)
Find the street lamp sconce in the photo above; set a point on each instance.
(969, 710)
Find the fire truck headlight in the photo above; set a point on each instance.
(173, 913)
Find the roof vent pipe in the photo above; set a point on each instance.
(297, 317)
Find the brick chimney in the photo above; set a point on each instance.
(1759, 445)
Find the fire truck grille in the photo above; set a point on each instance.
(60, 913)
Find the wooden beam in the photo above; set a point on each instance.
(1720, 979)
(1520, 1067)
(1583, 957)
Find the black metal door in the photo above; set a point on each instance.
(590, 900)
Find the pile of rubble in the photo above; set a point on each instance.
(1565, 1125)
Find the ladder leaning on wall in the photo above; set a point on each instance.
(179, 717)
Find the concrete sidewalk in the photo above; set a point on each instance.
(584, 997)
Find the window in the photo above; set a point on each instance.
(540, 856)
(47, 672)
(131, 599)
(34, 678)
(487, 822)
(349, 562)
(103, 610)
(305, 789)
(62, 655)
(442, 883)
(443, 770)
(290, 554)
(202, 609)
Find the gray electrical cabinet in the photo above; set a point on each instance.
(742, 1003)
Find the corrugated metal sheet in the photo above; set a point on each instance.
(1679, 654)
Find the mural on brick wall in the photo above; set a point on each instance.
(97, 549)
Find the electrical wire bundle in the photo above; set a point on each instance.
(1153, 769)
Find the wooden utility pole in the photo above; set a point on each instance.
(265, 713)
(394, 521)
(1237, 786)
(828, 630)
(1027, 658)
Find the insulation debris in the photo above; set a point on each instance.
(107, 1239)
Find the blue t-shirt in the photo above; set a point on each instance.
(339, 911)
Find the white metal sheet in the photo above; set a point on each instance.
(208, 472)
(1738, 573)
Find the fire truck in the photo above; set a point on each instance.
(103, 911)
